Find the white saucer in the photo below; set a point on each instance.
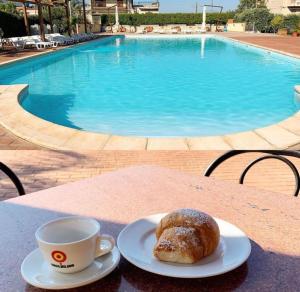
(136, 242)
(36, 272)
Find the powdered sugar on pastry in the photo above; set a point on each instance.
(185, 236)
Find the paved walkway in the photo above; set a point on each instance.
(39, 170)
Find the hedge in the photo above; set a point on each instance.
(12, 25)
(167, 18)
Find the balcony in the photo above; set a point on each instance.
(109, 3)
(146, 6)
(294, 6)
(103, 6)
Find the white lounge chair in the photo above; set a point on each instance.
(59, 39)
(140, 30)
(172, 30)
(187, 30)
(35, 41)
(17, 43)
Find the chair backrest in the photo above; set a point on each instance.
(268, 154)
(13, 177)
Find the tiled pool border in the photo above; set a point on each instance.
(283, 135)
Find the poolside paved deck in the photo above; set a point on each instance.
(39, 170)
(286, 44)
(9, 141)
(12, 54)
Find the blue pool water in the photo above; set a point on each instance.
(159, 87)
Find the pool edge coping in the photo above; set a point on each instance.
(29, 127)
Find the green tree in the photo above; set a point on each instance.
(59, 18)
(249, 4)
(8, 7)
(259, 18)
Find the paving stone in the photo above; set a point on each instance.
(39, 169)
(167, 144)
(278, 136)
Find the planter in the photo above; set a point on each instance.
(295, 34)
(282, 31)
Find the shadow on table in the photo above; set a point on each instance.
(264, 269)
(145, 281)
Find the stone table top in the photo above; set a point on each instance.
(115, 199)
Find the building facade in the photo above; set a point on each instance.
(284, 6)
(124, 6)
(143, 7)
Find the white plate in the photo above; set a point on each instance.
(136, 242)
(36, 272)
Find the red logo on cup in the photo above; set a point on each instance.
(58, 256)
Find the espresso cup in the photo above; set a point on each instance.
(71, 244)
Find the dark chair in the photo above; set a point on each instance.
(268, 154)
(5, 169)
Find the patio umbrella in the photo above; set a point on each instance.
(117, 17)
(203, 27)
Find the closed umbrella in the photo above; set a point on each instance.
(203, 27)
(117, 17)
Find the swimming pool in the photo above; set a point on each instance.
(159, 87)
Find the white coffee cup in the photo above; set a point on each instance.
(71, 244)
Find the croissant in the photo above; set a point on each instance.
(186, 236)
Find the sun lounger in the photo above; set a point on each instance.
(140, 30)
(59, 40)
(17, 43)
(35, 41)
(187, 30)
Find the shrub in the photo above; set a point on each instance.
(259, 17)
(12, 25)
(291, 22)
(277, 22)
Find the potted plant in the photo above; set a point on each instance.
(277, 23)
(282, 31)
(295, 33)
